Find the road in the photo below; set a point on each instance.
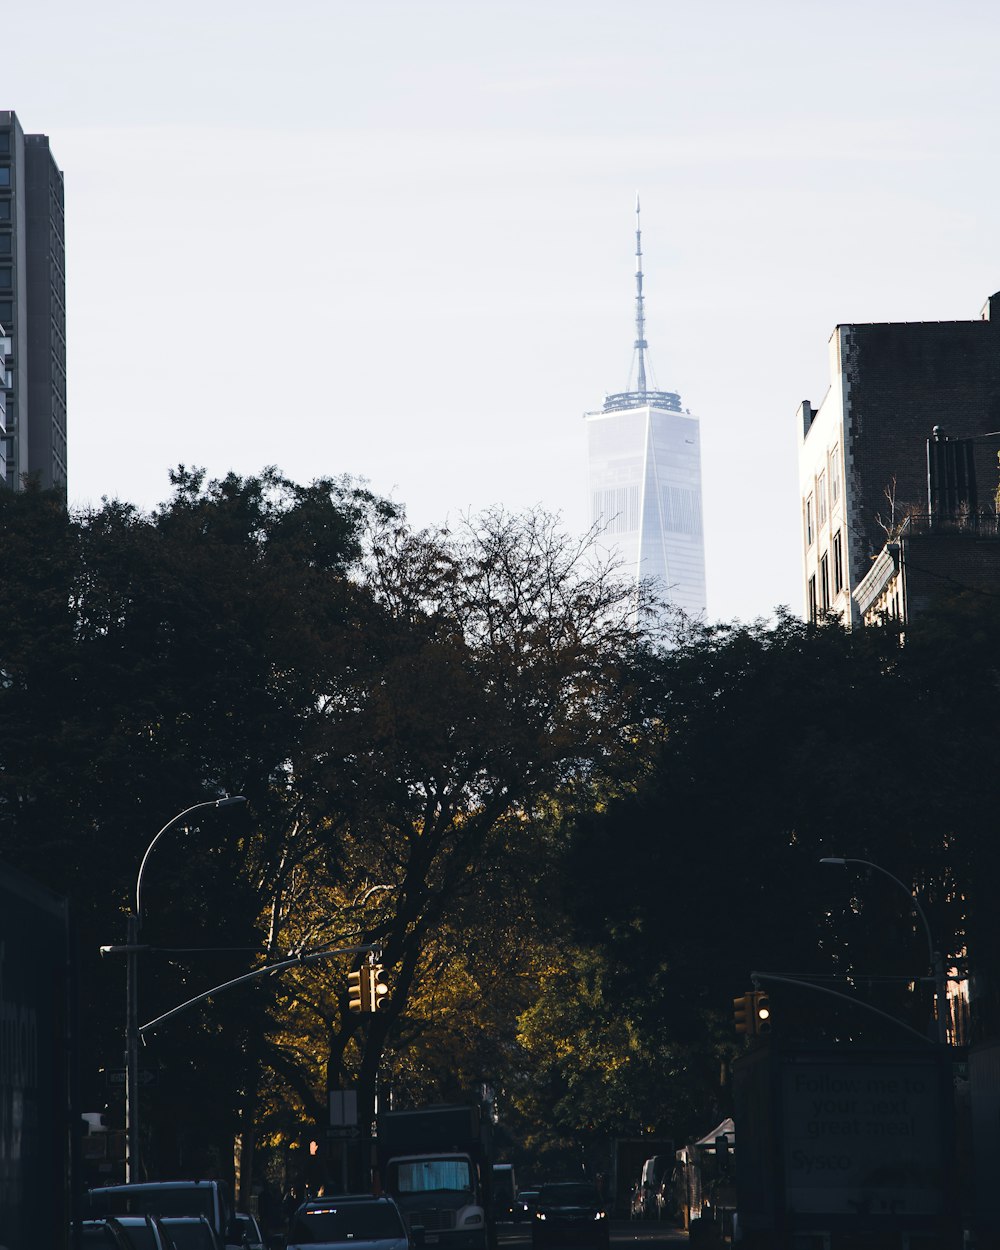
(646, 1233)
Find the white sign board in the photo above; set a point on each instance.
(863, 1139)
(343, 1108)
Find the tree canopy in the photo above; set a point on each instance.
(571, 847)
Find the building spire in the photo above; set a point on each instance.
(640, 315)
(642, 396)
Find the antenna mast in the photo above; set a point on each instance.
(641, 397)
(640, 317)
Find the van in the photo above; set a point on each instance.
(654, 1194)
(211, 1199)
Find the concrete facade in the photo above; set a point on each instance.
(863, 466)
(32, 308)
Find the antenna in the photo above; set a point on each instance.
(641, 396)
(640, 317)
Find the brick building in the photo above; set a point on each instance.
(873, 538)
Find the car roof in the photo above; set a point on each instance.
(130, 1185)
(339, 1200)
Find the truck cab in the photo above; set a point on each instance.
(436, 1163)
(440, 1194)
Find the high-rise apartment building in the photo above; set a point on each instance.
(901, 458)
(32, 309)
(645, 479)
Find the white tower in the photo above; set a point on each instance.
(645, 478)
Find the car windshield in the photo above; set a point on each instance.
(97, 1235)
(157, 1200)
(355, 1221)
(190, 1234)
(430, 1175)
(141, 1236)
(571, 1195)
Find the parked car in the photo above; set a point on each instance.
(247, 1226)
(101, 1233)
(524, 1207)
(570, 1211)
(125, 1232)
(191, 1232)
(348, 1224)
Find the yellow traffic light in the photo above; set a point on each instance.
(378, 988)
(752, 1013)
(355, 990)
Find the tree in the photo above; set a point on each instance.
(781, 744)
(501, 673)
(152, 660)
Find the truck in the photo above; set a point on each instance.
(504, 1191)
(842, 1145)
(38, 1144)
(437, 1163)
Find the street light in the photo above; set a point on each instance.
(936, 959)
(132, 994)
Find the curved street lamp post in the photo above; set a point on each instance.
(934, 956)
(132, 949)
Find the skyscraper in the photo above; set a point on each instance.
(32, 309)
(645, 478)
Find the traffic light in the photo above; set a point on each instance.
(356, 989)
(367, 989)
(378, 988)
(752, 1013)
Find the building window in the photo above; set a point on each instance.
(824, 581)
(821, 497)
(6, 243)
(834, 476)
(5, 142)
(6, 277)
(809, 521)
(6, 313)
(812, 597)
(838, 565)
(4, 175)
(4, 210)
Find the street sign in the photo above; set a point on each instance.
(118, 1077)
(343, 1107)
(343, 1132)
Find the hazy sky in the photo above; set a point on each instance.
(393, 238)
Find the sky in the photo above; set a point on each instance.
(393, 239)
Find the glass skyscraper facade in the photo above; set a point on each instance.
(645, 494)
(644, 453)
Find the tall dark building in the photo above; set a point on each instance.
(32, 309)
(900, 458)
